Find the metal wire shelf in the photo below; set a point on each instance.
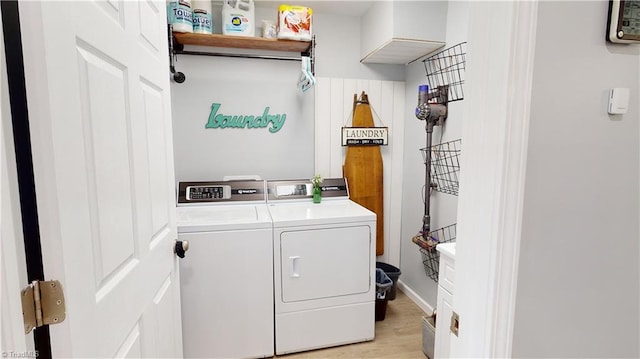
(445, 166)
(446, 69)
(430, 256)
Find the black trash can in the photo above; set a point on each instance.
(383, 284)
(394, 274)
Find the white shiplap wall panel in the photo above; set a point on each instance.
(337, 115)
(333, 110)
(396, 167)
(322, 126)
(375, 100)
(382, 112)
(362, 85)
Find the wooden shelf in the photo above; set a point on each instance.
(241, 42)
(177, 39)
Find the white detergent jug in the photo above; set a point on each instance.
(238, 18)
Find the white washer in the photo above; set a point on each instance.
(324, 266)
(227, 274)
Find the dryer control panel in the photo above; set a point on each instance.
(221, 191)
(299, 189)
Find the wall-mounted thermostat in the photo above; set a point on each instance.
(623, 23)
(618, 101)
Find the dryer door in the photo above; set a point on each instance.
(325, 262)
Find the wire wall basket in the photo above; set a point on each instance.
(430, 256)
(445, 166)
(446, 68)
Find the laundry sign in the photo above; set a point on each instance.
(218, 119)
(365, 136)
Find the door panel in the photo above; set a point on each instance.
(98, 86)
(103, 106)
(159, 320)
(152, 97)
(131, 346)
(113, 9)
(150, 29)
(324, 263)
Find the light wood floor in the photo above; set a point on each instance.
(399, 335)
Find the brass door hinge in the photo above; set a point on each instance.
(455, 323)
(42, 304)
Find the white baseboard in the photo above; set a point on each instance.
(415, 298)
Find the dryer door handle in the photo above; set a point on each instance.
(295, 266)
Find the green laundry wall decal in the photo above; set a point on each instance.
(219, 120)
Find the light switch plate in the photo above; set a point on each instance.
(618, 101)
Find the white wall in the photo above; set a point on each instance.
(338, 51)
(242, 87)
(407, 20)
(247, 86)
(443, 206)
(412, 19)
(578, 277)
(378, 31)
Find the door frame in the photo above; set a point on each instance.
(501, 50)
(13, 270)
(23, 157)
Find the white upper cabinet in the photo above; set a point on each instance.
(399, 32)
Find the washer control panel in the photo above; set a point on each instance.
(208, 192)
(221, 191)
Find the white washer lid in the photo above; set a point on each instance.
(288, 214)
(222, 217)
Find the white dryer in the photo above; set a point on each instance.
(226, 276)
(324, 266)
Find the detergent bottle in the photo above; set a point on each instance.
(238, 18)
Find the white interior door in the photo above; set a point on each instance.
(98, 94)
